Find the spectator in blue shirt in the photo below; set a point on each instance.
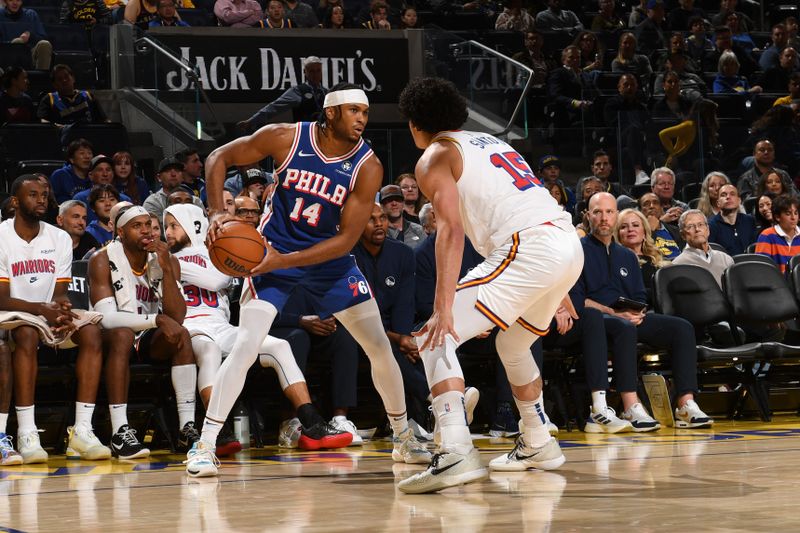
(74, 176)
(101, 172)
(728, 80)
(167, 16)
(729, 228)
(101, 199)
(32, 32)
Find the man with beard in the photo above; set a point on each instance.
(35, 271)
(135, 284)
(400, 228)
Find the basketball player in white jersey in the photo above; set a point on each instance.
(481, 186)
(134, 282)
(35, 272)
(208, 321)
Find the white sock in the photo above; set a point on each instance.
(3, 422)
(25, 421)
(83, 414)
(399, 423)
(532, 414)
(599, 400)
(119, 416)
(452, 417)
(211, 429)
(184, 380)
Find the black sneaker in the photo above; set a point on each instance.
(505, 422)
(323, 435)
(125, 445)
(188, 436)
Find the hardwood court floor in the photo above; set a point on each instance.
(740, 476)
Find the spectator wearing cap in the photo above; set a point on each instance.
(101, 172)
(304, 99)
(170, 175)
(255, 184)
(167, 16)
(651, 32)
(558, 20)
(73, 177)
(392, 201)
(33, 33)
(550, 173)
(301, 14)
(238, 13)
(235, 183)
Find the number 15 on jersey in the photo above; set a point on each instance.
(517, 168)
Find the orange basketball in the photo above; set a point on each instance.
(238, 250)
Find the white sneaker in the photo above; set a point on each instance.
(640, 420)
(446, 469)
(471, 397)
(407, 449)
(201, 461)
(605, 421)
(84, 444)
(30, 448)
(688, 416)
(523, 457)
(8, 455)
(289, 433)
(343, 424)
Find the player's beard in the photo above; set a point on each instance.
(179, 245)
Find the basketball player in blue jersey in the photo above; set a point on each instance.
(326, 181)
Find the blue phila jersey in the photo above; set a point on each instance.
(311, 190)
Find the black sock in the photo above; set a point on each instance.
(308, 415)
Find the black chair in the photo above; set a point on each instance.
(690, 191)
(638, 190)
(751, 249)
(31, 141)
(64, 37)
(793, 262)
(753, 258)
(718, 247)
(105, 138)
(46, 167)
(692, 293)
(16, 54)
(749, 204)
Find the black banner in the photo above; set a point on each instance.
(257, 66)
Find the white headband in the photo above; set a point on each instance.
(346, 96)
(129, 214)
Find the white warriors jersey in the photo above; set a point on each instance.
(147, 301)
(498, 192)
(205, 288)
(32, 269)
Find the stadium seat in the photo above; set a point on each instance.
(730, 105)
(690, 191)
(105, 138)
(753, 258)
(42, 166)
(197, 17)
(31, 141)
(718, 247)
(16, 54)
(68, 37)
(40, 84)
(48, 14)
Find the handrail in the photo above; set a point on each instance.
(190, 72)
(517, 64)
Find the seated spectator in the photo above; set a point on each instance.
(334, 19)
(34, 34)
(607, 20)
(255, 183)
(723, 42)
(141, 12)
(728, 80)
(628, 60)
(427, 219)
(740, 36)
(770, 57)
(192, 171)
(610, 272)
(730, 228)
(709, 193)
(245, 208)
(167, 16)
(651, 33)
(67, 105)
(408, 18)
(556, 19)
(170, 175)
(587, 187)
(378, 17)
(776, 79)
(638, 14)
(72, 219)
(791, 31)
(633, 232)
(534, 58)
(514, 17)
(592, 51)
(550, 174)
(125, 179)
(101, 199)
(763, 161)
(301, 14)
(86, 12)
(780, 125)
(73, 177)
(794, 91)
(698, 45)
(763, 212)
(558, 193)
(276, 16)
(15, 104)
(662, 181)
(603, 170)
(235, 183)
(694, 230)
(773, 182)
(412, 199)
(677, 46)
(101, 172)
(571, 90)
(726, 7)
(666, 235)
(691, 86)
(628, 117)
(238, 13)
(400, 228)
(781, 242)
(679, 18)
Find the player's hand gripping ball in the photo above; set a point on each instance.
(238, 249)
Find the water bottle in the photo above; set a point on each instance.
(241, 426)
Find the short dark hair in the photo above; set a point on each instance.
(795, 76)
(58, 68)
(76, 145)
(22, 180)
(183, 155)
(377, 6)
(694, 20)
(783, 203)
(600, 153)
(98, 191)
(433, 105)
(10, 75)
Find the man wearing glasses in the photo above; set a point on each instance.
(694, 230)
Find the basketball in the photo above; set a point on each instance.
(238, 250)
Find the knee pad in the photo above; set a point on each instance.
(515, 353)
(209, 358)
(442, 363)
(277, 354)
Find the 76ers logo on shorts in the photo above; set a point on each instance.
(357, 286)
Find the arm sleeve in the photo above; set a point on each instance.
(208, 278)
(290, 99)
(114, 318)
(402, 319)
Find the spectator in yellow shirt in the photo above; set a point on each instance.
(794, 91)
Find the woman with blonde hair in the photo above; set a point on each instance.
(709, 193)
(634, 233)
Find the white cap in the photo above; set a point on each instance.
(310, 60)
